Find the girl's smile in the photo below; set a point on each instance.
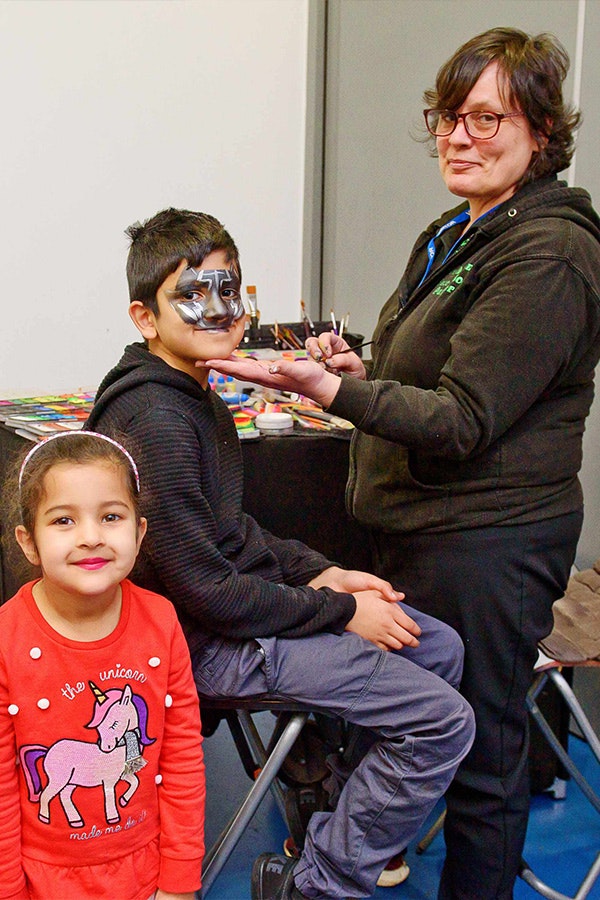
(95, 563)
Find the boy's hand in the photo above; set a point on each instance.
(384, 624)
(378, 617)
(349, 581)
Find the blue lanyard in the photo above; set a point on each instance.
(431, 248)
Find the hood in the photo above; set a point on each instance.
(548, 198)
(138, 367)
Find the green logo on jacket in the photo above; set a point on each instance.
(453, 281)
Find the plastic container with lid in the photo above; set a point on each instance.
(274, 423)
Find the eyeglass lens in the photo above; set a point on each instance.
(477, 124)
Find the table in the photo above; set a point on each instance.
(295, 486)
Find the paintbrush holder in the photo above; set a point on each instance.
(263, 339)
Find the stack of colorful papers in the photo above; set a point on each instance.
(36, 417)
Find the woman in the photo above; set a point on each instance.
(470, 416)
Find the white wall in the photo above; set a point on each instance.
(112, 110)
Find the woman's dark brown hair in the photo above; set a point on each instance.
(532, 71)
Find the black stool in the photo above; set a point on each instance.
(262, 762)
(547, 669)
(550, 670)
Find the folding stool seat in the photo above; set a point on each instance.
(263, 762)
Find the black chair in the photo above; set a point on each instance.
(266, 764)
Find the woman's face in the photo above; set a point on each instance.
(486, 172)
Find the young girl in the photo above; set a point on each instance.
(101, 769)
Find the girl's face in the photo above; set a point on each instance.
(86, 534)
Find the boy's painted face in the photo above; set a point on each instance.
(208, 299)
(200, 315)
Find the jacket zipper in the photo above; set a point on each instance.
(419, 294)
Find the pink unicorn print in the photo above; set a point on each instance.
(120, 717)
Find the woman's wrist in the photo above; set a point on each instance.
(327, 389)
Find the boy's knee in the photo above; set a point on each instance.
(450, 652)
(461, 726)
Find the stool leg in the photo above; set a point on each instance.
(225, 843)
(545, 891)
(583, 722)
(577, 711)
(590, 736)
(258, 748)
(435, 829)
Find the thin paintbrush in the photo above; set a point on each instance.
(357, 347)
(347, 350)
(321, 359)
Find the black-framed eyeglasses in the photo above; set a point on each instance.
(480, 123)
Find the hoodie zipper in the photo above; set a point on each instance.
(419, 293)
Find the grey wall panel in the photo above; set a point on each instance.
(587, 174)
(381, 186)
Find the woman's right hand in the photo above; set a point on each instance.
(325, 345)
(334, 353)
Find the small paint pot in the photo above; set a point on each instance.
(274, 423)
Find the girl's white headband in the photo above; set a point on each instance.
(68, 434)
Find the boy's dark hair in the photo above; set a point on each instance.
(532, 70)
(160, 243)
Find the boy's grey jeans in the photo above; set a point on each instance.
(408, 698)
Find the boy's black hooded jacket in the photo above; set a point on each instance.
(225, 575)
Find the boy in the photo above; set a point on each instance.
(264, 615)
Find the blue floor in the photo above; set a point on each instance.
(562, 841)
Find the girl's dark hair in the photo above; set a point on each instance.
(532, 71)
(77, 448)
(23, 488)
(160, 244)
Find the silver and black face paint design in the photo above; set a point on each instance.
(208, 299)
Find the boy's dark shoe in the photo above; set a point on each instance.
(273, 878)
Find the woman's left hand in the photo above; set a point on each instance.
(303, 376)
